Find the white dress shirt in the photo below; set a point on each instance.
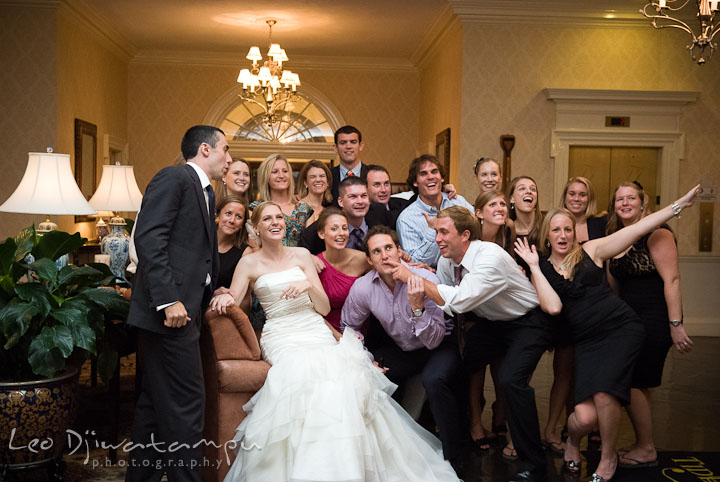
(492, 287)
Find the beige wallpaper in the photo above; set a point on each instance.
(505, 70)
(164, 100)
(92, 86)
(440, 97)
(383, 105)
(28, 97)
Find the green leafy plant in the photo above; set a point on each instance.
(53, 318)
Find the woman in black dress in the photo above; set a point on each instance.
(578, 197)
(607, 333)
(232, 236)
(647, 278)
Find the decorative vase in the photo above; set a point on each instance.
(34, 419)
(117, 245)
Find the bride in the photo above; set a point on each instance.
(324, 412)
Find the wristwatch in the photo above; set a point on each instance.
(418, 313)
(676, 322)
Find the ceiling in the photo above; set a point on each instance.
(333, 28)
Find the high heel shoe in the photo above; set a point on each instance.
(572, 467)
(598, 478)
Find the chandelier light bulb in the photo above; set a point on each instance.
(265, 83)
(264, 76)
(254, 55)
(274, 51)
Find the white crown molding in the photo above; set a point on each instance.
(84, 13)
(49, 4)
(654, 97)
(445, 23)
(611, 14)
(297, 62)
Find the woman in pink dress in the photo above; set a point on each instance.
(342, 265)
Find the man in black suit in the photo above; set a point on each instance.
(379, 192)
(361, 216)
(176, 242)
(348, 144)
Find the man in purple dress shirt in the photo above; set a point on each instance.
(417, 334)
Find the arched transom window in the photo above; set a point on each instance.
(299, 120)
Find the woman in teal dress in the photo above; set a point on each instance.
(275, 183)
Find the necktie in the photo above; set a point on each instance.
(356, 239)
(211, 202)
(350, 174)
(460, 317)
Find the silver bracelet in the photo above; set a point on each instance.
(676, 209)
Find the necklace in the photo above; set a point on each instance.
(559, 268)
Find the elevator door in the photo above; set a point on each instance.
(606, 167)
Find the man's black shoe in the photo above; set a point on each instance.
(527, 476)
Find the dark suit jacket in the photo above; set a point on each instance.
(176, 244)
(395, 205)
(309, 238)
(335, 171)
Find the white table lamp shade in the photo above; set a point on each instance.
(47, 187)
(118, 190)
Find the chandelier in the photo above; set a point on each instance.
(660, 11)
(268, 81)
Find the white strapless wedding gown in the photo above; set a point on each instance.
(325, 412)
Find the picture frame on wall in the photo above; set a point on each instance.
(85, 161)
(442, 151)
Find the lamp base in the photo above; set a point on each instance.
(46, 226)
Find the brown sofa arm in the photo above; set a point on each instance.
(232, 335)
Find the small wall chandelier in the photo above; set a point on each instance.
(269, 81)
(707, 14)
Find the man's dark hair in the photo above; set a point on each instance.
(376, 167)
(350, 181)
(379, 229)
(417, 164)
(195, 136)
(348, 130)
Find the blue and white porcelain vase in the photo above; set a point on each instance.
(117, 245)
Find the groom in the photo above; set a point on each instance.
(176, 243)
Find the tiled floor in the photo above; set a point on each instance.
(686, 416)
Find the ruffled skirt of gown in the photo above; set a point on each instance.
(325, 412)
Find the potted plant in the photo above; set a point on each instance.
(51, 320)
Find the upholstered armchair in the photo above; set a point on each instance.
(233, 373)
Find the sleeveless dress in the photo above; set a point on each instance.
(643, 289)
(325, 412)
(294, 224)
(337, 286)
(606, 332)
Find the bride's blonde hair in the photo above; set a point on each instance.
(255, 219)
